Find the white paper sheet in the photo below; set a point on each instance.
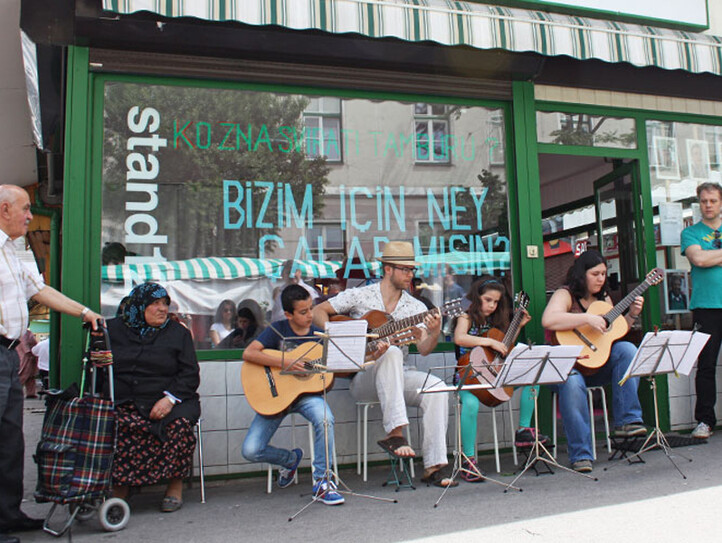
(538, 364)
(668, 351)
(346, 347)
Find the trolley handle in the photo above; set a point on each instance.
(98, 354)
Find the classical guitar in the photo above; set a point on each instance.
(269, 390)
(597, 345)
(486, 362)
(384, 325)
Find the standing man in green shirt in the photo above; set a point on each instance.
(702, 245)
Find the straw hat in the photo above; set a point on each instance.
(400, 253)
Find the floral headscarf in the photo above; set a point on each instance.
(138, 300)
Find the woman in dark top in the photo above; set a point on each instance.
(250, 323)
(156, 376)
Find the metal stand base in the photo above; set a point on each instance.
(329, 475)
(461, 460)
(539, 453)
(526, 452)
(655, 439)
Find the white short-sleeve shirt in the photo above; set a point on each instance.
(356, 302)
(18, 283)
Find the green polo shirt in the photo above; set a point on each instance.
(706, 282)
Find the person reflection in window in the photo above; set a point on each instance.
(677, 298)
(286, 279)
(250, 322)
(223, 323)
(698, 165)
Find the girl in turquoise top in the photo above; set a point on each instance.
(490, 308)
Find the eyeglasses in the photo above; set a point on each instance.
(717, 243)
(405, 269)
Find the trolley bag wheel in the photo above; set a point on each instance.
(85, 510)
(114, 514)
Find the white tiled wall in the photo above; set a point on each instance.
(682, 399)
(227, 416)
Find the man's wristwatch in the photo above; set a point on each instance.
(84, 312)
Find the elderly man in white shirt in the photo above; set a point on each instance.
(18, 283)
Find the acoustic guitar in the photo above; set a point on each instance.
(597, 345)
(269, 391)
(486, 362)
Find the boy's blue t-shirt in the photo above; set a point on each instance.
(273, 335)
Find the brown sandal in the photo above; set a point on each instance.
(437, 478)
(393, 444)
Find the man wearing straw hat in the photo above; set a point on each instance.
(389, 381)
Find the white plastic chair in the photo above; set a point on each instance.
(201, 471)
(512, 428)
(269, 482)
(590, 394)
(362, 426)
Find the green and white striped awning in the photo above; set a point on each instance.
(206, 269)
(461, 23)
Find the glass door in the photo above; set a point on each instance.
(618, 212)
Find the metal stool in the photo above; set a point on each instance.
(399, 476)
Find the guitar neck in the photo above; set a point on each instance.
(625, 302)
(513, 329)
(393, 327)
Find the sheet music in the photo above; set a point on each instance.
(667, 352)
(346, 345)
(538, 364)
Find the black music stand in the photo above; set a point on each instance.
(459, 456)
(539, 365)
(342, 353)
(669, 351)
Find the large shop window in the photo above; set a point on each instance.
(681, 157)
(222, 194)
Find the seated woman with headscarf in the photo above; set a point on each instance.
(156, 376)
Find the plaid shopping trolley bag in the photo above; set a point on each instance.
(75, 452)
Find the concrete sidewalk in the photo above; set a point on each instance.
(640, 502)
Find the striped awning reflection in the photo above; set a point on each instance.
(448, 22)
(206, 269)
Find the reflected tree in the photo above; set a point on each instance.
(582, 129)
(212, 135)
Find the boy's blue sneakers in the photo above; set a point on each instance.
(286, 475)
(325, 491)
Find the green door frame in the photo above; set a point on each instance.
(527, 168)
(77, 277)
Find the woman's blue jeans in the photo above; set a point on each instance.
(574, 404)
(256, 447)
